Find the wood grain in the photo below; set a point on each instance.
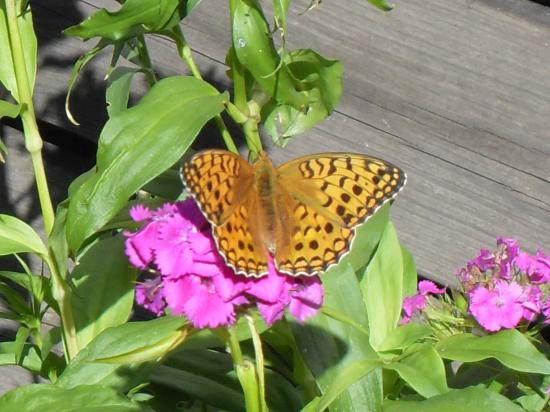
(456, 93)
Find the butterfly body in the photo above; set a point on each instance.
(303, 213)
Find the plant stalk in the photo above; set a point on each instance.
(186, 55)
(34, 144)
(33, 141)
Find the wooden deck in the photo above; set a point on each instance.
(456, 93)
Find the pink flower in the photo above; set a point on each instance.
(150, 295)
(499, 308)
(417, 302)
(536, 267)
(532, 304)
(484, 261)
(197, 298)
(193, 279)
(139, 246)
(508, 250)
(274, 292)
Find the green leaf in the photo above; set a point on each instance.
(367, 237)
(20, 343)
(216, 390)
(18, 237)
(382, 287)
(114, 356)
(59, 250)
(137, 145)
(405, 335)
(134, 17)
(320, 82)
(29, 358)
(345, 378)
(327, 345)
(476, 399)
(77, 68)
(16, 303)
(28, 40)
(118, 90)
(510, 347)
(410, 276)
(424, 371)
(255, 50)
(381, 4)
(35, 284)
(104, 289)
(50, 398)
(9, 109)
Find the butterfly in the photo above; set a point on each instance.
(303, 213)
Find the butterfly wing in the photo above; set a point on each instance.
(218, 180)
(222, 184)
(311, 243)
(329, 194)
(239, 239)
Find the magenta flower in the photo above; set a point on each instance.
(150, 295)
(140, 245)
(536, 267)
(193, 279)
(532, 304)
(197, 298)
(499, 308)
(508, 250)
(274, 292)
(484, 261)
(417, 302)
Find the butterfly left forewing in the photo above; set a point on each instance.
(218, 180)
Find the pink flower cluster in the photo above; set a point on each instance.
(191, 278)
(503, 287)
(507, 286)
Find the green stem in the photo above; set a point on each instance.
(246, 372)
(62, 294)
(250, 128)
(187, 56)
(146, 60)
(33, 144)
(260, 365)
(33, 141)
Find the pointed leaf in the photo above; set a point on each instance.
(510, 347)
(28, 40)
(424, 371)
(18, 237)
(137, 145)
(382, 287)
(114, 357)
(50, 398)
(104, 289)
(134, 17)
(476, 399)
(328, 345)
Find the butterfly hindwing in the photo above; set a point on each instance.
(239, 239)
(315, 243)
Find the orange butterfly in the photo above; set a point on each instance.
(304, 212)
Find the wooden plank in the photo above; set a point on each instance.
(457, 93)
